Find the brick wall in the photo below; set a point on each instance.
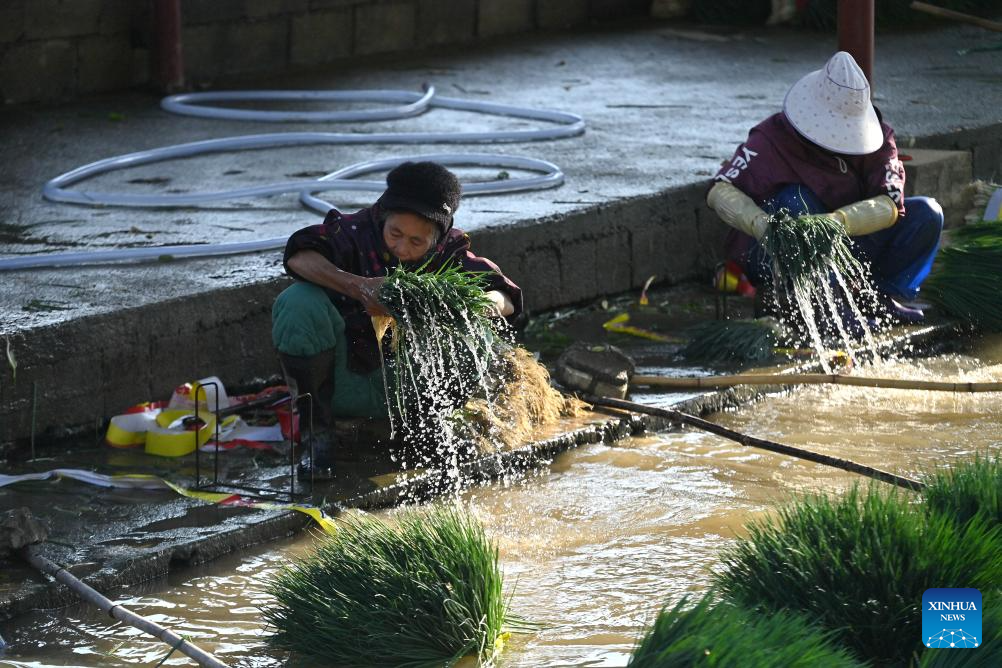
(58, 49)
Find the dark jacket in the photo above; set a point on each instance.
(354, 243)
(775, 155)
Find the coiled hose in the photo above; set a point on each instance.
(409, 104)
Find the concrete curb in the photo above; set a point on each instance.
(243, 530)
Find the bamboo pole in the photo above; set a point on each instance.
(717, 382)
(119, 612)
(957, 16)
(753, 442)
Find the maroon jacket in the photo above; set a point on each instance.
(354, 242)
(776, 155)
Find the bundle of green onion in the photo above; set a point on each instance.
(445, 340)
(721, 634)
(858, 565)
(425, 593)
(717, 341)
(967, 489)
(967, 279)
(816, 273)
(805, 248)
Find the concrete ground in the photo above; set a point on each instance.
(665, 104)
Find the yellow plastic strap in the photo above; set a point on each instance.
(222, 498)
(170, 437)
(151, 482)
(126, 431)
(618, 325)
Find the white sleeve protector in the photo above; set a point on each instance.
(868, 216)
(737, 209)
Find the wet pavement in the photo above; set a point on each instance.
(664, 103)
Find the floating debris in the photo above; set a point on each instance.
(524, 401)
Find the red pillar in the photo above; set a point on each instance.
(169, 60)
(855, 32)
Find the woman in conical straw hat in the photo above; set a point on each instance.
(828, 151)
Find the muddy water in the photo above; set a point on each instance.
(599, 541)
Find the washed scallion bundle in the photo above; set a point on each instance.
(814, 269)
(721, 341)
(721, 634)
(807, 247)
(445, 340)
(858, 566)
(425, 593)
(967, 278)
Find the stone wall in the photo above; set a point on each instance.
(58, 49)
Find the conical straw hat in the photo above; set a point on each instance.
(832, 108)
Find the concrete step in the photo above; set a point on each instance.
(944, 175)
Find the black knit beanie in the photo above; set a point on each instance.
(425, 188)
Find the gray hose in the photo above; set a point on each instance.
(119, 612)
(59, 188)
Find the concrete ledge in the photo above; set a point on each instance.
(983, 143)
(75, 375)
(940, 174)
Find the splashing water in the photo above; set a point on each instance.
(445, 343)
(816, 273)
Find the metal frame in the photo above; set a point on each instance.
(261, 493)
(720, 296)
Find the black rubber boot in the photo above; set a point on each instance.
(313, 375)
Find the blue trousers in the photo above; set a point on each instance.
(899, 256)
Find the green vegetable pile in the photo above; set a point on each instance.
(445, 340)
(425, 593)
(967, 279)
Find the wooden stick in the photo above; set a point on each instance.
(119, 612)
(753, 442)
(957, 16)
(717, 382)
